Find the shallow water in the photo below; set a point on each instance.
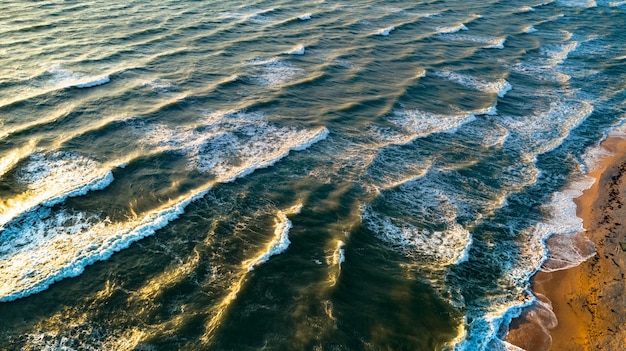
(328, 175)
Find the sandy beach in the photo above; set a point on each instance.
(588, 300)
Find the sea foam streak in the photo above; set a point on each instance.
(49, 179)
(48, 245)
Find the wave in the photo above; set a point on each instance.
(49, 179)
(385, 31)
(556, 54)
(11, 159)
(305, 17)
(226, 143)
(280, 242)
(499, 87)
(46, 246)
(529, 29)
(542, 132)
(58, 114)
(451, 29)
(578, 3)
(487, 42)
(423, 225)
(415, 124)
(339, 255)
(63, 78)
(273, 72)
(297, 50)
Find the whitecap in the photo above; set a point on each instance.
(451, 29)
(529, 29)
(297, 50)
(385, 31)
(273, 72)
(497, 43)
(578, 3)
(63, 78)
(488, 42)
(339, 255)
(556, 54)
(305, 17)
(280, 242)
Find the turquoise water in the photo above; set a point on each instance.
(327, 175)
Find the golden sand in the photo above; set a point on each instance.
(589, 300)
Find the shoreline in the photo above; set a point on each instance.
(581, 308)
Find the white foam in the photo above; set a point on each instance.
(385, 31)
(46, 246)
(50, 179)
(526, 9)
(280, 242)
(542, 132)
(297, 50)
(260, 16)
(67, 79)
(578, 3)
(556, 54)
(530, 29)
(451, 29)
(305, 17)
(161, 86)
(564, 223)
(499, 87)
(92, 82)
(496, 43)
(417, 209)
(339, 255)
(496, 138)
(487, 42)
(274, 72)
(416, 123)
(228, 143)
(483, 329)
(75, 334)
(617, 3)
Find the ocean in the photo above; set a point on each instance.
(294, 175)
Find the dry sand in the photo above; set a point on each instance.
(589, 300)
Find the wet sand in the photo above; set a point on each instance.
(589, 300)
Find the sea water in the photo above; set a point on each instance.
(328, 175)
